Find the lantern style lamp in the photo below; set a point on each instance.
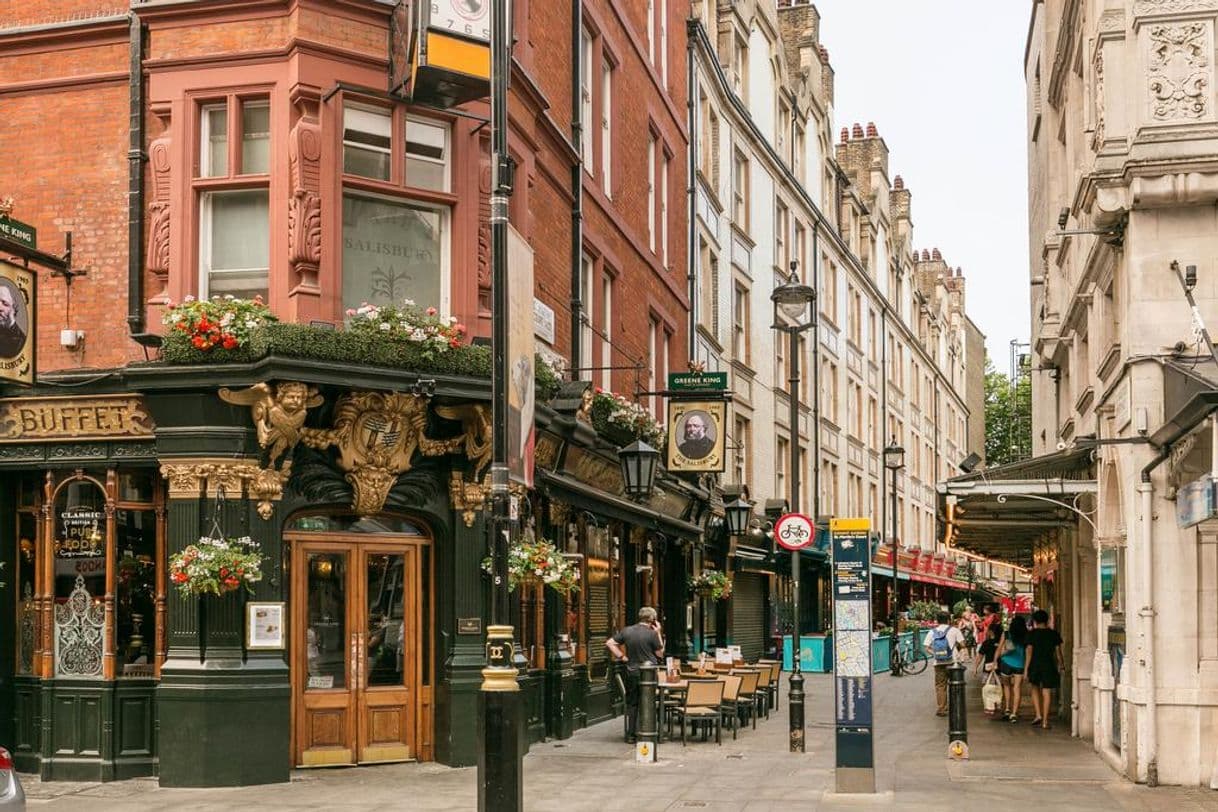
(639, 465)
(792, 297)
(738, 512)
(894, 456)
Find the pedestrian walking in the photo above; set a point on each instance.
(986, 661)
(990, 614)
(1011, 661)
(1042, 665)
(635, 645)
(945, 645)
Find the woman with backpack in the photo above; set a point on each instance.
(1011, 666)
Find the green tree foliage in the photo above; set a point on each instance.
(1008, 416)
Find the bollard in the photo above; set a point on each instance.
(648, 732)
(957, 713)
(795, 702)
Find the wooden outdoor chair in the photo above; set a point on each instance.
(764, 685)
(775, 680)
(746, 697)
(730, 707)
(703, 704)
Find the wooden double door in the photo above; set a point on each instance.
(356, 646)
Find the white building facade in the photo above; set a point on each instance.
(897, 355)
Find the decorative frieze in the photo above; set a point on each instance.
(1142, 8)
(191, 478)
(1179, 70)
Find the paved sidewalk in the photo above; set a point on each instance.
(594, 770)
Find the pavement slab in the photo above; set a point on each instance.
(594, 770)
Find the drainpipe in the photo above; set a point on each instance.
(577, 189)
(135, 178)
(691, 79)
(1146, 492)
(1076, 618)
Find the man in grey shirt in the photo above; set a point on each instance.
(635, 645)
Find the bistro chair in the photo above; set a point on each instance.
(621, 689)
(730, 707)
(775, 680)
(746, 696)
(764, 687)
(703, 701)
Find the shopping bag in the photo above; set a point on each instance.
(991, 694)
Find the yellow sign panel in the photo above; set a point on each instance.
(458, 55)
(855, 525)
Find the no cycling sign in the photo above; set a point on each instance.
(795, 531)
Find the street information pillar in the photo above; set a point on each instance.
(855, 760)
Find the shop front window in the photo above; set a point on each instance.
(80, 578)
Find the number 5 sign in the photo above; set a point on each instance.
(794, 531)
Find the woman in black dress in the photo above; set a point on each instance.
(1042, 665)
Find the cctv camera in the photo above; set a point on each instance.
(1063, 217)
(1061, 445)
(1190, 276)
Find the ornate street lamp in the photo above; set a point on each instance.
(791, 299)
(738, 513)
(894, 461)
(639, 463)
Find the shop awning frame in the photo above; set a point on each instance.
(1001, 513)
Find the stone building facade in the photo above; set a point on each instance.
(893, 355)
(1123, 181)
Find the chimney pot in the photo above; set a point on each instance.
(898, 182)
(857, 131)
(934, 254)
(872, 132)
(845, 134)
(925, 255)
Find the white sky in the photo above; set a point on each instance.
(943, 82)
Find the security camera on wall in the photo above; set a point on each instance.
(1061, 445)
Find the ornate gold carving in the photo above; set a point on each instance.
(585, 405)
(69, 418)
(190, 478)
(467, 497)
(475, 434)
(278, 417)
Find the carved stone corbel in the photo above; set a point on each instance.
(189, 479)
(304, 204)
(160, 209)
(467, 497)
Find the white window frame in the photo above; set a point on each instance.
(665, 161)
(205, 222)
(446, 222)
(206, 170)
(607, 330)
(663, 60)
(370, 110)
(445, 162)
(651, 191)
(653, 329)
(587, 272)
(587, 153)
(607, 127)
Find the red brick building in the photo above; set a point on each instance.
(250, 147)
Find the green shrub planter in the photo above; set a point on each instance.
(347, 347)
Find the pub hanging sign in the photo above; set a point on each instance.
(17, 324)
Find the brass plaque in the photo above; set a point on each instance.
(469, 625)
(64, 419)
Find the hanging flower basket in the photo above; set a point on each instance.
(713, 584)
(215, 566)
(539, 562)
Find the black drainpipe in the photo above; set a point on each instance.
(692, 99)
(577, 189)
(135, 179)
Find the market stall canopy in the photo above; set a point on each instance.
(1002, 512)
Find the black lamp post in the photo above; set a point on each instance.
(791, 300)
(894, 461)
(639, 463)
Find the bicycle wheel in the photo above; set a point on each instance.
(914, 663)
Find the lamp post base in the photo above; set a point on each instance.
(796, 704)
(500, 745)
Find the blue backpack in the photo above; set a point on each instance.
(939, 647)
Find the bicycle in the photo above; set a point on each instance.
(907, 659)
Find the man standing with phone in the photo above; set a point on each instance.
(636, 645)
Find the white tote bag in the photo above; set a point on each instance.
(991, 693)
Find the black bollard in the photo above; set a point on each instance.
(648, 732)
(957, 712)
(795, 702)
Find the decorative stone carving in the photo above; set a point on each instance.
(1145, 7)
(304, 206)
(376, 435)
(190, 478)
(1099, 99)
(1179, 71)
(278, 415)
(467, 497)
(159, 210)
(475, 432)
